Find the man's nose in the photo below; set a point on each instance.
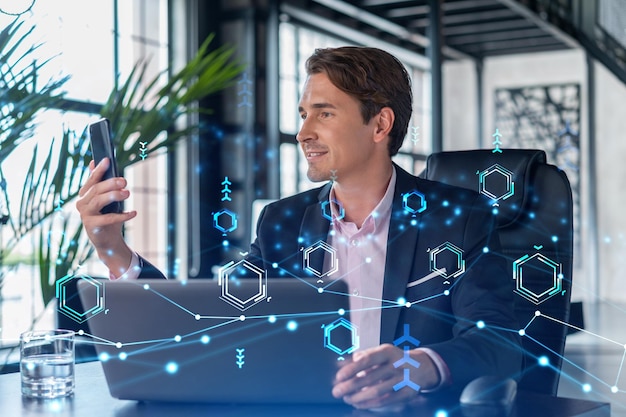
(306, 132)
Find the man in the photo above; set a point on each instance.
(383, 223)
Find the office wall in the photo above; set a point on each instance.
(594, 279)
(610, 148)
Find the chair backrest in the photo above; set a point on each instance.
(535, 214)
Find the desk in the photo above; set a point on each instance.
(91, 399)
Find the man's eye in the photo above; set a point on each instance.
(325, 114)
(302, 116)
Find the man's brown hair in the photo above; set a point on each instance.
(375, 78)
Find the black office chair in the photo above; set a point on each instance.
(534, 204)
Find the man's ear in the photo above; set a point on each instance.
(384, 123)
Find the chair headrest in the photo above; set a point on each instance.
(504, 177)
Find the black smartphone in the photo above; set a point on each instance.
(101, 147)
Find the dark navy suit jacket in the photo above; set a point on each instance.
(426, 216)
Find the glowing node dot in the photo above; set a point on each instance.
(446, 292)
(146, 286)
(55, 406)
(225, 243)
(543, 361)
(555, 238)
(408, 304)
(341, 311)
(560, 276)
(320, 290)
(485, 249)
(494, 211)
(30, 366)
(81, 332)
(537, 313)
(522, 332)
(368, 260)
(614, 389)
(104, 357)
(272, 319)
(205, 339)
(110, 252)
(197, 316)
(177, 338)
(274, 265)
(118, 345)
(123, 356)
(441, 413)
(171, 367)
(292, 325)
(624, 347)
(401, 301)
(586, 388)
(480, 324)
(413, 222)
(242, 317)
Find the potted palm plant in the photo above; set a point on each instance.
(140, 110)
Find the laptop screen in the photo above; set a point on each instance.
(244, 341)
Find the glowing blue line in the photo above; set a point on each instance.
(426, 299)
(568, 361)
(582, 330)
(172, 302)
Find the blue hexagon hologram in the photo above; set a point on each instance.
(228, 284)
(414, 202)
(496, 195)
(323, 246)
(221, 223)
(326, 210)
(91, 307)
(328, 339)
(552, 287)
(460, 262)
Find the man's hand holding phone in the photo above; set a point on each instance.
(104, 227)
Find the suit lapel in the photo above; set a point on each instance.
(314, 226)
(401, 247)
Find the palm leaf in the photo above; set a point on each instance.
(139, 111)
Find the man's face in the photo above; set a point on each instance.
(333, 136)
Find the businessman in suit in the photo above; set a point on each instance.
(421, 259)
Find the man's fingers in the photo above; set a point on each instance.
(97, 171)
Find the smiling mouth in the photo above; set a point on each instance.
(310, 155)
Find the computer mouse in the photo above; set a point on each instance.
(488, 396)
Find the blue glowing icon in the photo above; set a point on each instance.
(225, 221)
(327, 213)
(414, 202)
(443, 271)
(553, 285)
(334, 344)
(324, 247)
(497, 142)
(240, 356)
(143, 150)
(415, 133)
(226, 190)
(91, 307)
(228, 282)
(406, 359)
(486, 184)
(245, 92)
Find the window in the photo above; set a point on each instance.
(297, 43)
(96, 43)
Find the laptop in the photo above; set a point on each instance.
(246, 341)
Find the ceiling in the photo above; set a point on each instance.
(470, 28)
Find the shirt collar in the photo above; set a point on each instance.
(380, 212)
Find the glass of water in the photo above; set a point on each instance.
(47, 363)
